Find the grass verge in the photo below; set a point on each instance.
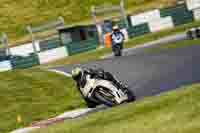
(34, 94)
(179, 44)
(16, 15)
(173, 112)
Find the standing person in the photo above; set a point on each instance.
(117, 38)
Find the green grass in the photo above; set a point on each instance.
(36, 95)
(97, 54)
(173, 112)
(179, 44)
(16, 15)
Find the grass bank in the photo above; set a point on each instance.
(34, 94)
(16, 15)
(173, 112)
(179, 44)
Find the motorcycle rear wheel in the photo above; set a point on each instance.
(131, 96)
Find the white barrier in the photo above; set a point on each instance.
(196, 13)
(24, 50)
(161, 24)
(66, 38)
(53, 54)
(145, 17)
(193, 4)
(5, 66)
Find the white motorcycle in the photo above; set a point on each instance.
(105, 92)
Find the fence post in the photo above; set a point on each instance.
(4, 41)
(123, 13)
(98, 25)
(32, 38)
(61, 19)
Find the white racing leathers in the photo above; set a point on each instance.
(117, 38)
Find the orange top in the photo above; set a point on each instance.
(107, 40)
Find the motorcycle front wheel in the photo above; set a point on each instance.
(91, 104)
(117, 51)
(105, 97)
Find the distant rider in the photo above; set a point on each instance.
(79, 76)
(117, 37)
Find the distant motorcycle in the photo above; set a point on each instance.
(117, 38)
(99, 91)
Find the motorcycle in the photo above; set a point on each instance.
(117, 43)
(99, 91)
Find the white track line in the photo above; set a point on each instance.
(60, 72)
(67, 115)
(80, 112)
(25, 130)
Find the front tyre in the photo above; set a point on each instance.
(91, 104)
(104, 98)
(117, 51)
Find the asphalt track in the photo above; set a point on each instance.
(162, 41)
(149, 73)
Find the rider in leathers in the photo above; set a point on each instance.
(117, 37)
(79, 75)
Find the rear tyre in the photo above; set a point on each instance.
(131, 96)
